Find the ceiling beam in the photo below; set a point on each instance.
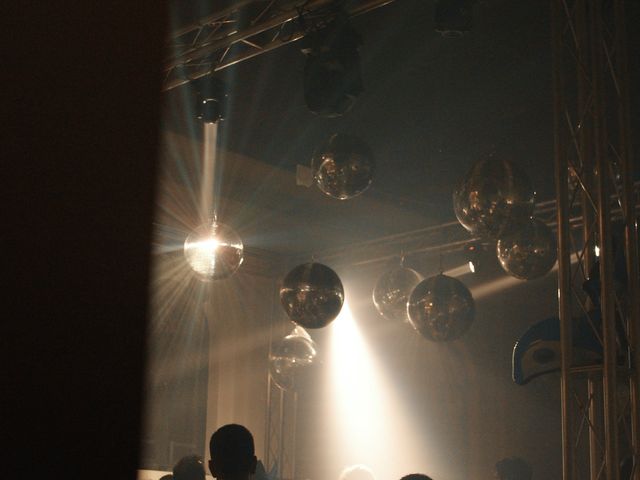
(246, 29)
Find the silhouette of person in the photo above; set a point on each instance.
(513, 468)
(190, 467)
(357, 472)
(232, 453)
(416, 476)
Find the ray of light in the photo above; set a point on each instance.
(370, 422)
(209, 155)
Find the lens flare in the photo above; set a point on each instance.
(213, 251)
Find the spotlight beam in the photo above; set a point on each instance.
(209, 154)
(365, 410)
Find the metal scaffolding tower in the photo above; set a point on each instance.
(280, 442)
(594, 173)
(281, 409)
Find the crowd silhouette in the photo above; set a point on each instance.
(232, 453)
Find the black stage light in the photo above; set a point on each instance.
(479, 256)
(453, 17)
(473, 254)
(211, 100)
(332, 77)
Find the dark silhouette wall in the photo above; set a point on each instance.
(82, 93)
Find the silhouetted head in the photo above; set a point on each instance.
(357, 472)
(416, 476)
(232, 453)
(189, 468)
(513, 468)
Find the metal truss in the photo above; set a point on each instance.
(594, 175)
(245, 29)
(280, 441)
(281, 410)
(443, 239)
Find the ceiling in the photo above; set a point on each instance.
(431, 107)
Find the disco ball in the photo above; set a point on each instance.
(312, 295)
(213, 251)
(392, 290)
(494, 197)
(291, 355)
(441, 308)
(529, 252)
(344, 167)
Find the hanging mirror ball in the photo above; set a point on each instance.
(494, 197)
(312, 295)
(213, 251)
(344, 167)
(529, 252)
(290, 356)
(441, 308)
(392, 290)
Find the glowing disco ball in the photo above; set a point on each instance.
(392, 290)
(312, 295)
(494, 197)
(441, 308)
(528, 253)
(213, 251)
(344, 167)
(290, 356)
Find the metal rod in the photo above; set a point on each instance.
(237, 5)
(631, 232)
(208, 49)
(584, 154)
(281, 436)
(594, 387)
(294, 426)
(269, 426)
(267, 437)
(564, 261)
(607, 299)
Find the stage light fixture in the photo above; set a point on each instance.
(453, 18)
(478, 257)
(211, 100)
(472, 253)
(332, 77)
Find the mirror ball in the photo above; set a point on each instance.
(312, 295)
(344, 167)
(441, 308)
(494, 197)
(529, 252)
(392, 290)
(289, 356)
(213, 251)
